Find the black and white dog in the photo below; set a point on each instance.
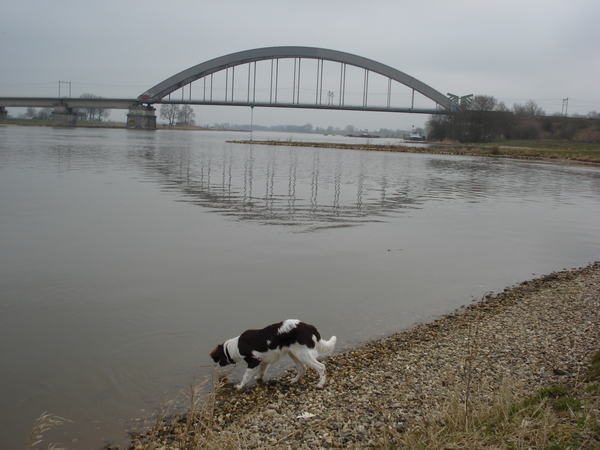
(259, 348)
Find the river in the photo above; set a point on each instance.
(127, 255)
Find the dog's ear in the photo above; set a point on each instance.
(216, 353)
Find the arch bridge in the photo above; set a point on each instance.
(281, 77)
(294, 86)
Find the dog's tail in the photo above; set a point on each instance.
(326, 347)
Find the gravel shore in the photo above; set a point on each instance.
(539, 333)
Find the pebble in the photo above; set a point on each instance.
(535, 334)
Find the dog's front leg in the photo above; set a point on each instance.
(247, 377)
(262, 370)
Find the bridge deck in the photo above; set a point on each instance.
(49, 102)
(122, 103)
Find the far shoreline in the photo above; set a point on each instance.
(570, 152)
(563, 151)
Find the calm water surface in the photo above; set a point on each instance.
(126, 256)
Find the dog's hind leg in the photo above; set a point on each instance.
(301, 369)
(310, 360)
(319, 367)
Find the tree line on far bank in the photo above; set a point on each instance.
(484, 119)
(83, 114)
(349, 130)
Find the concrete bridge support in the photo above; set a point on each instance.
(142, 117)
(3, 114)
(63, 115)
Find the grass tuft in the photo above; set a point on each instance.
(194, 430)
(41, 425)
(593, 370)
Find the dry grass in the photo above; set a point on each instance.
(41, 425)
(199, 430)
(475, 417)
(194, 430)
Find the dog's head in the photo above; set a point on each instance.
(218, 355)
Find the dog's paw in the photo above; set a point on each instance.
(239, 387)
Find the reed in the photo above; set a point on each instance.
(41, 425)
(196, 428)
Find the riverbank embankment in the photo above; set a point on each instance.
(537, 334)
(563, 151)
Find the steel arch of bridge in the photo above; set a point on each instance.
(157, 93)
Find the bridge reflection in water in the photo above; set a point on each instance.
(307, 187)
(316, 188)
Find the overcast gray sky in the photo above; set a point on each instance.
(543, 50)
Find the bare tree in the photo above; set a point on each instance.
(483, 103)
(528, 109)
(186, 115)
(169, 113)
(45, 114)
(482, 119)
(93, 114)
(593, 114)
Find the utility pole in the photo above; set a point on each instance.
(64, 82)
(565, 106)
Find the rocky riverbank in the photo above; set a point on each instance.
(539, 333)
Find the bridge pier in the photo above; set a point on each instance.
(63, 115)
(3, 114)
(142, 117)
